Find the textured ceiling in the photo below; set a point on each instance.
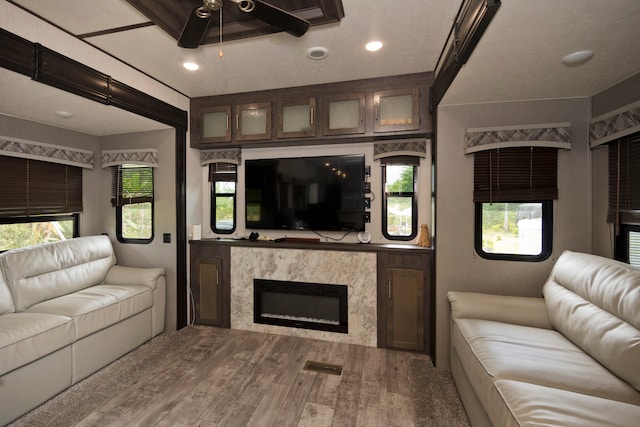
(518, 58)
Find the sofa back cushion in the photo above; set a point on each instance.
(39, 273)
(594, 302)
(6, 299)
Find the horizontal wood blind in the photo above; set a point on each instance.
(624, 180)
(131, 185)
(223, 172)
(519, 174)
(33, 187)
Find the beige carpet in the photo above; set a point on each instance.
(436, 399)
(435, 396)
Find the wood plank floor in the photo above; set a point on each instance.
(230, 378)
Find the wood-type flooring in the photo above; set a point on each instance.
(225, 377)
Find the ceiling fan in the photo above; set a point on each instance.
(198, 22)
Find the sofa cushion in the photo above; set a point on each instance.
(594, 302)
(39, 273)
(25, 337)
(97, 307)
(536, 405)
(539, 356)
(6, 299)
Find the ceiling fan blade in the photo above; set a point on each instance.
(280, 18)
(194, 30)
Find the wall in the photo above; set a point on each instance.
(458, 267)
(375, 227)
(156, 253)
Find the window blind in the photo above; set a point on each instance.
(131, 184)
(32, 187)
(624, 180)
(222, 172)
(519, 174)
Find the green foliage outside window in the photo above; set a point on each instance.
(17, 235)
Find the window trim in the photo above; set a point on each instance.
(213, 196)
(547, 235)
(117, 170)
(414, 201)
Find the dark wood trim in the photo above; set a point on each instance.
(49, 67)
(473, 19)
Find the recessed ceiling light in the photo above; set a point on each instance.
(64, 114)
(191, 66)
(317, 52)
(373, 46)
(577, 58)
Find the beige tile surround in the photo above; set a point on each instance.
(357, 270)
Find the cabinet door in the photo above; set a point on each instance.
(208, 291)
(405, 309)
(253, 121)
(343, 114)
(396, 110)
(213, 125)
(296, 118)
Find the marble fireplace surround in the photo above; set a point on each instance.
(356, 270)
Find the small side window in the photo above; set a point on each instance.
(132, 188)
(627, 247)
(514, 231)
(223, 177)
(399, 205)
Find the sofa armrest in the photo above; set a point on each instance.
(121, 275)
(525, 311)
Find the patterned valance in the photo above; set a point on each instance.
(615, 124)
(220, 156)
(555, 135)
(409, 147)
(145, 157)
(46, 152)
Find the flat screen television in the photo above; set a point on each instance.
(305, 193)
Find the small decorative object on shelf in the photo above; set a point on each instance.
(364, 237)
(423, 238)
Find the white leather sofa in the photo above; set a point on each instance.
(571, 358)
(66, 310)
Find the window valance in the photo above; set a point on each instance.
(143, 157)
(220, 156)
(615, 124)
(409, 147)
(14, 147)
(552, 135)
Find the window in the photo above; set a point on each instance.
(132, 190)
(399, 205)
(624, 197)
(39, 202)
(223, 178)
(25, 231)
(514, 189)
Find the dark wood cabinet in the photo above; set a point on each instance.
(396, 110)
(404, 300)
(344, 114)
(296, 118)
(353, 111)
(211, 284)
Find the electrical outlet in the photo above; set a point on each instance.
(367, 217)
(367, 202)
(367, 187)
(166, 237)
(367, 170)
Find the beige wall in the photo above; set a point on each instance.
(458, 267)
(156, 253)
